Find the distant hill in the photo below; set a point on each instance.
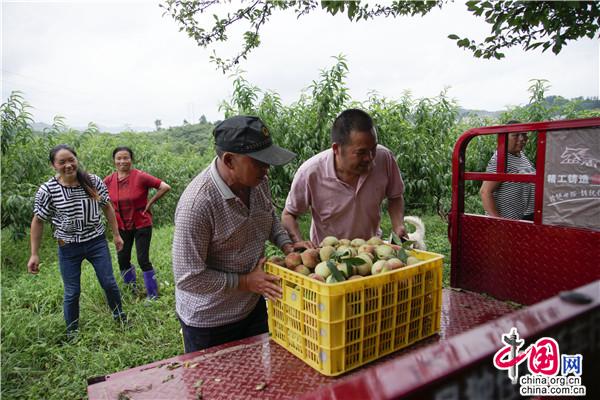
(40, 126)
(588, 103)
(480, 113)
(581, 103)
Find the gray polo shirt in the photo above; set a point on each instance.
(216, 239)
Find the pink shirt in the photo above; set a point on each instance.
(337, 208)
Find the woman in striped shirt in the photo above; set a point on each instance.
(71, 203)
(512, 200)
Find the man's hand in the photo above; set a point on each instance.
(258, 281)
(297, 247)
(33, 265)
(118, 242)
(400, 230)
(304, 244)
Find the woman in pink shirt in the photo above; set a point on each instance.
(128, 190)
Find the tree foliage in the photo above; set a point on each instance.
(16, 121)
(175, 155)
(530, 24)
(408, 127)
(420, 132)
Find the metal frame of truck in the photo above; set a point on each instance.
(458, 363)
(491, 255)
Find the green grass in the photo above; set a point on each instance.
(36, 360)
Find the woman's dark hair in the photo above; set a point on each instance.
(123, 148)
(83, 177)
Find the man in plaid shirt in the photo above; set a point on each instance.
(222, 221)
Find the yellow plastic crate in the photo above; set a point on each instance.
(337, 327)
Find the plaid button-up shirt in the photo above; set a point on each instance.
(216, 239)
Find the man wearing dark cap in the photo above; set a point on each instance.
(222, 221)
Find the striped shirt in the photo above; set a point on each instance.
(514, 200)
(216, 239)
(75, 217)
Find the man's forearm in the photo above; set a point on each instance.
(290, 223)
(396, 212)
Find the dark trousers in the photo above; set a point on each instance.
(195, 339)
(142, 238)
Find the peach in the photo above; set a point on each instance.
(366, 248)
(358, 242)
(326, 252)
(379, 267)
(277, 260)
(384, 251)
(375, 241)
(344, 242)
(322, 269)
(329, 241)
(345, 269)
(292, 260)
(301, 269)
(345, 251)
(394, 263)
(310, 258)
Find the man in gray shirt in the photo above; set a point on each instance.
(222, 221)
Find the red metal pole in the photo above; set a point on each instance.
(539, 180)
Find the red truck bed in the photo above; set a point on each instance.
(454, 365)
(235, 369)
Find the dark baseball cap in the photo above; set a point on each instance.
(249, 136)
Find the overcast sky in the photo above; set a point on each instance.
(117, 63)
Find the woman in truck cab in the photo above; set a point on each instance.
(512, 200)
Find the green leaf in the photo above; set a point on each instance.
(395, 239)
(354, 261)
(338, 255)
(463, 42)
(407, 244)
(402, 255)
(338, 276)
(453, 37)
